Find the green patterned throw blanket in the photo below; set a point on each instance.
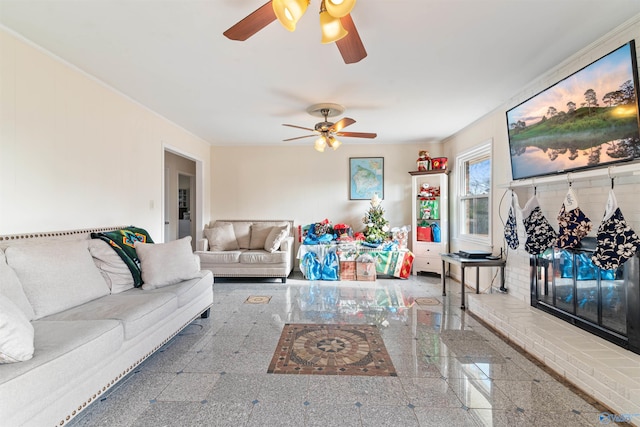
(122, 242)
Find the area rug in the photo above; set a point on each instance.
(257, 299)
(331, 349)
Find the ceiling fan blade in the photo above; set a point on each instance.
(299, 127)
(350, 46)
(357, 134)
(341, 124)
(253, 23)
(299, 137)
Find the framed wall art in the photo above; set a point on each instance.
(366, 177)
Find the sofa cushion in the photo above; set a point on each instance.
(11, 288)
(56, 276)
(224, 257)
(242, 231)
(16, 333)
(186, 291)
(221, 237)
(165, 264)
(112, 267)
(275, 237)
(65, 350)
(259, 233)
(138, 310)
(263, 257)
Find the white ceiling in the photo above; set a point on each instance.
(433, 66)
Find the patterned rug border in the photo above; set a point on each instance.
(331, 349)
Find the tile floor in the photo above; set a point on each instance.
(452, 371)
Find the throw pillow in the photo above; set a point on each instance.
(164, 264)
(11, 288)
(221, 237)
(259, 233)
(277, 234)
(113, 268)
(16, 333)
(56, 276)
(122, 242)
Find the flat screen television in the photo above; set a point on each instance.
(587, 120)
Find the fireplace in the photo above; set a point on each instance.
(568, 285)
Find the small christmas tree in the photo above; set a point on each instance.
(376, 227)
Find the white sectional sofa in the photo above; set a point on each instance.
(60, 293)
(248, 248)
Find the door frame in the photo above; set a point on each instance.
(197, 194)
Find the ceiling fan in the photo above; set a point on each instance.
(335, 22)
(328, 130)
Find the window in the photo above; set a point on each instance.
(474, 189)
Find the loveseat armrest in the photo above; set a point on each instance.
(202, 245)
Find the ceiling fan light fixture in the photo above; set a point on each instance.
(289, 12)
(339, 8)
(320, 144)
(332, 29)
(334, 143)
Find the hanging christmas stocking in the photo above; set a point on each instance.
(540, 235)
(511, 227)
(616, 241)
(573, 224)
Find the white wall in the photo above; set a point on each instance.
(592, 194)
(76, 154)
(296, 182)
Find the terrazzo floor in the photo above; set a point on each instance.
(451, 370)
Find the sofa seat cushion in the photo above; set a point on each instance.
(188, 290)
(263, 257)
(63, 351)
(138, 310)
(56, 276)
(224, 257)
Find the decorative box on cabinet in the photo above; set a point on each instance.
(430, 207)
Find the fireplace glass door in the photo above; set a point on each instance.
(568, 284)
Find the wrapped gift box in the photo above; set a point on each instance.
(347, 270)
(366, 271)
(439, 163)
(425, 234)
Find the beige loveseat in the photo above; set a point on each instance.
(72, 324)
(248, 248)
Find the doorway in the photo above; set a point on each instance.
(185, 207)
(181, 197)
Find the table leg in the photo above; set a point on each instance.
(462, 287)
(502, 288)
(444, 290)
(477, 280)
